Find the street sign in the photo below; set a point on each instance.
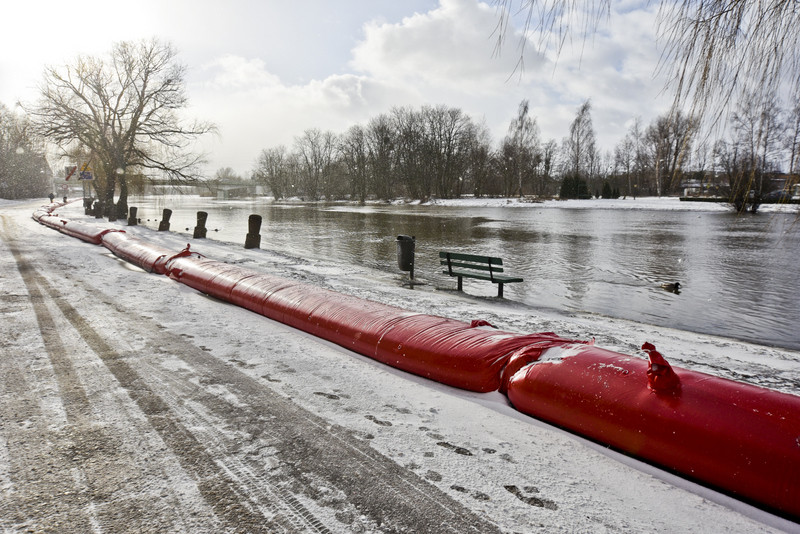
(84, 174)
(69, 171)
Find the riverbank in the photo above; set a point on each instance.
(640, 203)
(222, 376)
(574, 257)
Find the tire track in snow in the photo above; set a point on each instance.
(229, 500)
(85, 453)
(39, 487)
(308, 450)
(36, 474)
(75, 469)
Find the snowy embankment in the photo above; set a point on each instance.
(642, 203)
(521, 474)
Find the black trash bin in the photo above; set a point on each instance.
(405, 253)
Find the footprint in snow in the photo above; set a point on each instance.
(530, 499)
(330, 396)
(377, 421)
(454, 448)
(479, 495)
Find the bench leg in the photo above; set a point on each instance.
(500, 290)
(460, 286)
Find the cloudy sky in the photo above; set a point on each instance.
(266, 70)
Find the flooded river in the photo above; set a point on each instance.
(738, 274)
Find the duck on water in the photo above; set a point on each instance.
(673, 287)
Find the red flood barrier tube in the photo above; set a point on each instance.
(149, 257)
(39, 213)
(740, 438)
(360, 332)
(444, 350)
(209, 276)
(50, 221)
(452, 352)
(85, 232)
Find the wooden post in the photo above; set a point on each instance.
(200, 229)
(163, 226)
(132, 211)
(253, 238)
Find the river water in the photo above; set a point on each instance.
(739, 274)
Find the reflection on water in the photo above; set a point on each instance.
(738, 273)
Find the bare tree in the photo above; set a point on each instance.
(759, 130)
(380, 150)
(728, 160)
(521, 150)
(24, 172)
(272, 170)
(754, 149)
(625, 159)
(481, 167)
(668, 141)
(409, 151)
(123, 111)
(450, 133)
(580, 150)
(317, 151)
(354, 156)
(702, 172)
(548, 167)
(227, 174)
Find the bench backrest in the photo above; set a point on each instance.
(456, 260)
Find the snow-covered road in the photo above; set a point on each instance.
(130, 403)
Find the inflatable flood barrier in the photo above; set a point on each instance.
(738, 438)
(149, 257)
(444, 350)
(731, 435)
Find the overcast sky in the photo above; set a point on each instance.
(266, 70)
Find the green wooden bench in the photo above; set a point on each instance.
(479, 267)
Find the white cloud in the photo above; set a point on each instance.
(615, 67)
(254, 109)
(265, 72)
(234, 73)
(447, 54)
(449, 48)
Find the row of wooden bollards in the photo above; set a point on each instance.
(251, 240)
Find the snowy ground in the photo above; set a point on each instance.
(84, 334)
